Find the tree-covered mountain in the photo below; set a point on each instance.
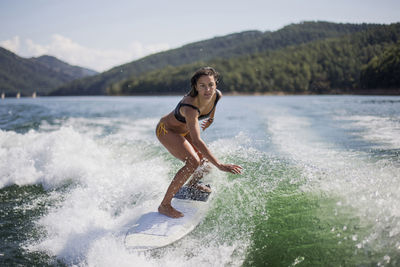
(383, 70)
(55, 64)
(329, 65)
(222, 48)
(42, 74)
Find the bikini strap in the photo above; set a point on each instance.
(189, 105)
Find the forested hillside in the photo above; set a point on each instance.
(42, 74)
(383, 71)
(362, 60)
(55, 64)
(219, 49)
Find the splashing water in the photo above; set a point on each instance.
(319, 186)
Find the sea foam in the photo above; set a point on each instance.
(112, 171)
(368, 185)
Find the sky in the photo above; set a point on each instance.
(100, 34)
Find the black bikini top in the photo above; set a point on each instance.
(179, 116)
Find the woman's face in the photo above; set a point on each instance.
(206, 86)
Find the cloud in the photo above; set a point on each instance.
(73, 53)
(12, 44)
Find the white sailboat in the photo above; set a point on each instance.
(18, 95)
(34, 95)
(3, 95)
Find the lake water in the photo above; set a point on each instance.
(320, 185)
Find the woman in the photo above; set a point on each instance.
(179, 132)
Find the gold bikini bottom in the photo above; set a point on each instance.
(161, 130)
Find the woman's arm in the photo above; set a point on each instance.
(194, 131)
(206, 123)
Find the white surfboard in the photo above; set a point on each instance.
(154, 230)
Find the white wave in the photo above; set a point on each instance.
(108, 180)
(383, 131)
(366, 184)
(51, 158)
(109, 251)
(100, 127)
(114, 171)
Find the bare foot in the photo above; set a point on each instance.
(169, 211)
(201, 187)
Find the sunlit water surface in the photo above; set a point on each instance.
(320, 185)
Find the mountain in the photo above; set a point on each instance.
(204, 50)
(55, 64)
(365, 62)
(224, 47)
(42, 74)
(383, 71)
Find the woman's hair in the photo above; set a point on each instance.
(205, 71)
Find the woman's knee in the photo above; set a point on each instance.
(193, 162)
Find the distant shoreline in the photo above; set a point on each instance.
(374, 92)
(383, 92)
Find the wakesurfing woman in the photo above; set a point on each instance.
(179, 133)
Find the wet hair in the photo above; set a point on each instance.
(205, 71)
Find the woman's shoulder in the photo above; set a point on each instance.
(187, 99)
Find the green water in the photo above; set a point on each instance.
(319, 187)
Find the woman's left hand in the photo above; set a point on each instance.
(232, 168)
(205, 124)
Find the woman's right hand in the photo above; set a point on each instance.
(232, 168)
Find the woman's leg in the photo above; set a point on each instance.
(199, 173)
(180, 148)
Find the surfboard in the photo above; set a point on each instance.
(154, 230)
